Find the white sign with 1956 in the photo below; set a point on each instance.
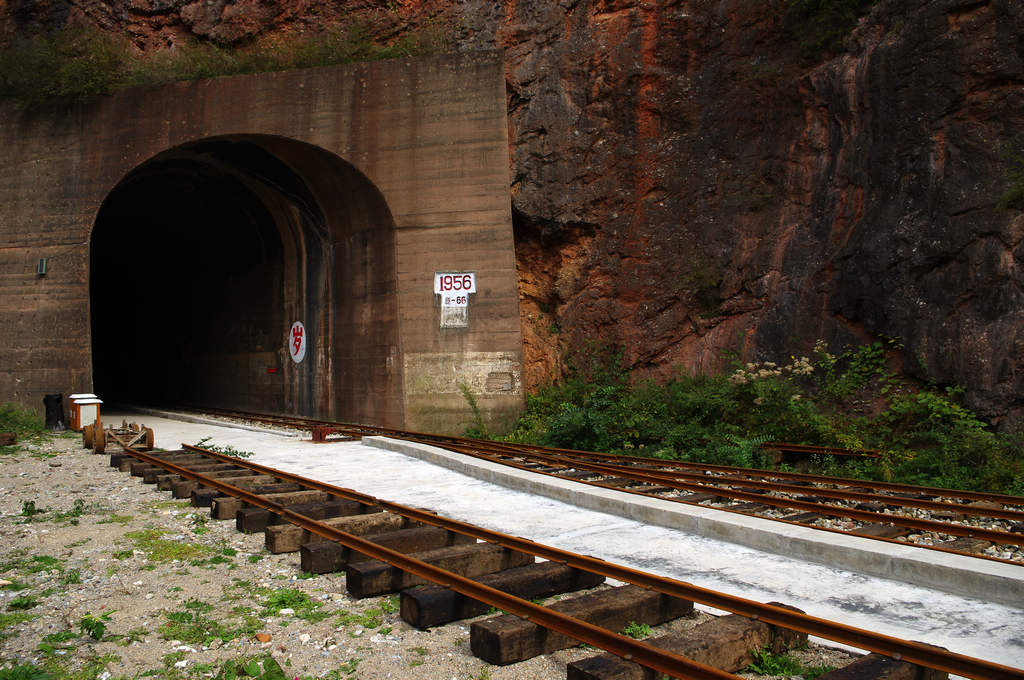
(454, 287)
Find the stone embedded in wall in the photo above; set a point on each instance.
(484, 373)
(435, 384)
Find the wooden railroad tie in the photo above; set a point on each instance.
(725, 642)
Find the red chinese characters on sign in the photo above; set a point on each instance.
(297, 342)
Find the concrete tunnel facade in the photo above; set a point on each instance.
(187, 229)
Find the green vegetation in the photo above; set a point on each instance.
(94, 626)
(766, 663)
(24, 672)
(262, 668)
(29, 510)
(369, 619)
(225, 450)
(79, 63)
(13, 619)
(478, 429)
(294, 599)
(821, 26)
(852, 400)
(159, 549)
(112, 518)
(1013, 197)
(22, 422)
(23, 602)
(637, 631)
(192, 626)
(31, 565)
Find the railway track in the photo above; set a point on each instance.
(387, 547)
(981, 525)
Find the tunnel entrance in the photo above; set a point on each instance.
(203, 258)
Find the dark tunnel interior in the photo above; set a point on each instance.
(203, 257)
(186, 287)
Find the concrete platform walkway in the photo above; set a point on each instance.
(966, 625)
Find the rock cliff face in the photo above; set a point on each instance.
(685, 181)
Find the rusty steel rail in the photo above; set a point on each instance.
(817, 450)
(715, 484)
(996, 536)
(519, 449)
(1012, 538)
(624, 461)
(912, 652)
(621, 645)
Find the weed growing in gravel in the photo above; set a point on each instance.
(31, 565)
(29, 511)
(123, 520)
(158, 549)
(198, 523)
(70, 517)
(369, 619)
(637, 631)
(23, 602)
(391, 604)
(170, 505)
(14, 618)
(767, 663)
(94, 626)
(53, 643)
(168, 660)
(70, 577)
(260, 668)
(191, 625)
(24, 672)
(294, 599)
(349, 667)
(134, 635)
(238, 589)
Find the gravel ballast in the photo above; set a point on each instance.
(170, 593)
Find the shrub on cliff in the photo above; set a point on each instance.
(72, 64)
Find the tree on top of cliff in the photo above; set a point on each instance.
(81, 62)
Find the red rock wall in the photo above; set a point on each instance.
(684, 181)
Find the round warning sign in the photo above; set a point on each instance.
(297, 342)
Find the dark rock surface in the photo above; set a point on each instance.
(685, 180)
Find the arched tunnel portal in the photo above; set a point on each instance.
(204, 256)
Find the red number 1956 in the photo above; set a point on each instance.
(456, 282)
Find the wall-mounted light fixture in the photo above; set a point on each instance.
(41, 267)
